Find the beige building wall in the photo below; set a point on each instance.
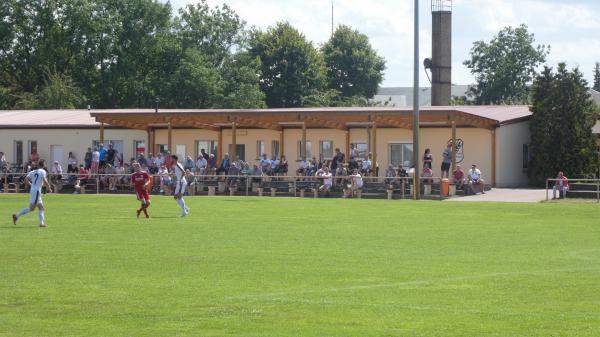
(477, 147)
(70, 140)
(509, 150)
(477, 144)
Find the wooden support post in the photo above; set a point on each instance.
(368, 140)
(493, 157)
(374, 159)
(233, 143)
(220, 147)
(348, 145)
(453, 146)
(303, 147)
(170, 139)
(101, 132)
(281, 144)
(149, 136)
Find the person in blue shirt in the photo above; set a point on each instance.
(103, 153)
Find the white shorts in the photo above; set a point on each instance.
(35, 198)
(180, 186)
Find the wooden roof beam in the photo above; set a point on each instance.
(194, 123)
(256, 123)
(393, 122)
(326, 122)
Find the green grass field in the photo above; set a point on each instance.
(291, 267)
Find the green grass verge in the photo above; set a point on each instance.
(291, 267)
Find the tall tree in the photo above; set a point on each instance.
(561, 126)
(597, 77)
(353, 67)
(504, 67)
(292, 69)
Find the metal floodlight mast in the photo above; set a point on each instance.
(416, 174)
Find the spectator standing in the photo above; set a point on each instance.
(338, 159)
(143, 162)
(71, 163)
(427, 158)
(110, 154)
(352, 164)
(274, 165)
(366, 166)
(561, 184)
(447, 160)
(353, 151)
(474, 179)
(103, 153)
(204, 154)
(88, 158)
(265, 163)
(95, 161)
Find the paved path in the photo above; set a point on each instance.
(506, 195)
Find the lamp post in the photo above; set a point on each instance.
(416, 174)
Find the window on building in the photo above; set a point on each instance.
(209, 146)
(139, 147)
(180, 151)
(260, 148)
(308, 154)
(401, 154)
(326, 149)
(162, 148)
(32, 147)
(525, 156)
(361, 148)
(18, 157)
(275, 148)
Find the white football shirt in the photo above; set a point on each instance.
(37, 179)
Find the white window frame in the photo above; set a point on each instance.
(308, 150)
(275, 148)
(212, 144)
(322, 154)
(260, 149)
(401, 155)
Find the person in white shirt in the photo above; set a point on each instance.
(327, 180)
(56, 170)
(357, 181)
(366, 166)
(180, 186)
(72, 163)
(165, 178)
(36, 178)
(474, 179)
(95, 160)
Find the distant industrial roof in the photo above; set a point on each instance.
(87, 118)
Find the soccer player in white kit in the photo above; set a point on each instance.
(180, 186)
(37, 179)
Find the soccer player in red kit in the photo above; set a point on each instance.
(140, 180)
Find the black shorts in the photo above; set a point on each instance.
(445, 167)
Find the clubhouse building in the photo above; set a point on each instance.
(495, 138)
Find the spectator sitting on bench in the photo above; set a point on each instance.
(474, 179)
(391, 179)
(327, 177)
(232, 176)
(225, 164)
(427, 173)
(356, 182)
(458, 177)
(191, 180)
(82, 179)
(341, 174)
(561, 184)
(302, 167)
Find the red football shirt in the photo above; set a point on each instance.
(139, 179)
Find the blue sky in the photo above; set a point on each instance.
(570, 27)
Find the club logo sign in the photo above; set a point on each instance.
(459, 146)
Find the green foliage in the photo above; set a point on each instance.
(353, 67)
(292, 69)
(244, 266)
(504, 67)
(57, 92)
(561, 126)
(127, 53)
(597, 77)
